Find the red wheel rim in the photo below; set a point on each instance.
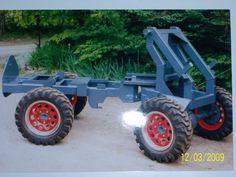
(159, 130)
(74, 100)
(42, 118)
(211, 127)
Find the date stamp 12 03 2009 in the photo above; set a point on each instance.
(203, 157)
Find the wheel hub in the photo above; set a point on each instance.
(216, 120)
(216, 115)
(159, 131)
(42, 118)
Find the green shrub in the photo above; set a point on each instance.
(50, 56)
(222, 71)
(54, 57)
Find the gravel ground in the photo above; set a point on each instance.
(97, 142)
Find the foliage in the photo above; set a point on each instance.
(27, 20)
(103, 35)
(55, 57)
(87, 41)
(223, 71)
(50, 56)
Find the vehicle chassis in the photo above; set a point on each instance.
(173, 56)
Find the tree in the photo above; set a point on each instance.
(38, 21)
(116, 36)
(2, 22)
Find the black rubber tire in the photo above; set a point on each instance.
(225, 99)
(182, 130)
(80, 104)
(59, 100)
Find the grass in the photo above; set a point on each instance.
(105, 69)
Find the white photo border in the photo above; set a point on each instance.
(142, 5)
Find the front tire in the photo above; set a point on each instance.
(44, 116)
(167, 132)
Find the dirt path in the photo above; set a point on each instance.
(20, 49)
(97, 142)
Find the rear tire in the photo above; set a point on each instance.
(223, 126)
(78, 103)
(44, 116)
(168, 130)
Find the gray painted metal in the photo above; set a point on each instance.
(173, 55)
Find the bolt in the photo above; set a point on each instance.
(163, 142)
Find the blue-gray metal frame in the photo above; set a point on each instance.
(170, 50)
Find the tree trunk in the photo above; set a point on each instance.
(2, 22)
(38, 28)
